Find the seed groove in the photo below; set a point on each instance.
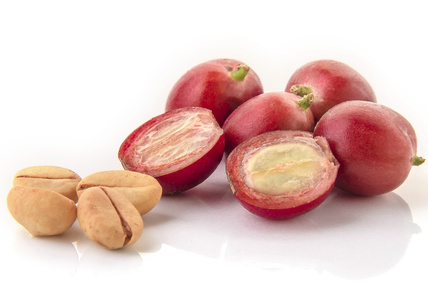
(39, 177)
(125, 226)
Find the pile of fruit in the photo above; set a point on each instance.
(285, 150)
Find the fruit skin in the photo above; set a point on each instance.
(332, 82)
(195, 173)
(183, 175)
(286, 206)
(210, 85)
(263, 113)
(374, 145)
(286, 213)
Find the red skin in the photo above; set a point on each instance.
(282, 206)
(286, 213)
(210, 85)
(332, 82)
(263, 113)
(374, 145)
(195, 173)
(180, 174)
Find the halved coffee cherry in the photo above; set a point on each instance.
(282, 174)
(180, 148)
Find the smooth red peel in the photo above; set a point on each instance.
(331, 83)
(220, 85)
(375, 146)
(268, 112)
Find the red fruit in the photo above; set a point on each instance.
(375, 146)
(281, 174)
(180, 148)
(220, 85)
(331, 82)
(267, 112)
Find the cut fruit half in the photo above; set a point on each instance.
(180, 148)
(282, 174)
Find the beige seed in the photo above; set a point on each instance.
(142, 190)
(108, 218)
(61, 180)
(43, 212)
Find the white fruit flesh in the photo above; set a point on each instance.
(177, 139)
(284, 169)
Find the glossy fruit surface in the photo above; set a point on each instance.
(180, 148)
(375, 146)
(220, 85)
(281, 174)
(267, 112)
(331, 82)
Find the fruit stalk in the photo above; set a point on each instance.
(240, 72)
(306, 101)
(300, 90)
(418, 160)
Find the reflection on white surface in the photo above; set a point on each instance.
(34, 255)
(347, 236)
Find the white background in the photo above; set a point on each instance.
(76, 77)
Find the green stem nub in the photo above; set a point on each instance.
(417, 160)
(240, 72)
(300, 90)
(306, 101)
